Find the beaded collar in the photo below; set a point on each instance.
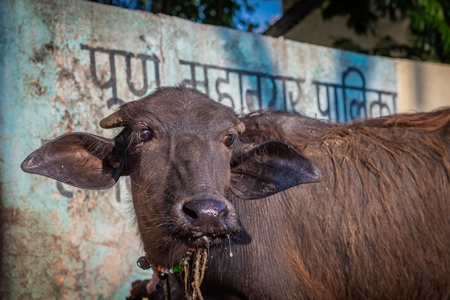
(144, 264)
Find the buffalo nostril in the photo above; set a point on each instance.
(189, 212)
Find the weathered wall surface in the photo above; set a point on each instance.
(66, 64)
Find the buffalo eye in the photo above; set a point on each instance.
(228, 140)
(144, 135)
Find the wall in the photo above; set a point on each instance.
(64, 65)
(422, 86)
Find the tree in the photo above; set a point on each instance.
(429, 22)
(225, 13)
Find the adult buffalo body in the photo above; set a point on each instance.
(287, 207)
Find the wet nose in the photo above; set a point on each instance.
(207, 215)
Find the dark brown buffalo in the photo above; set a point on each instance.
(277, 206)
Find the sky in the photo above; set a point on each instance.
(267, 12)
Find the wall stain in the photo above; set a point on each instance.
(40, 55)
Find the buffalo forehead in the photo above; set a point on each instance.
(177, 114)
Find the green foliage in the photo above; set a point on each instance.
(214, 12)
(361, 18)
(429, 22)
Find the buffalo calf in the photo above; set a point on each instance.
(276, 205)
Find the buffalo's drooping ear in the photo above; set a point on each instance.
(79, 159)
(269, 168)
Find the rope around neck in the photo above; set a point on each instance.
(191, 279)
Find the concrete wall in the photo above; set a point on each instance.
(66, 64)
(422, 86)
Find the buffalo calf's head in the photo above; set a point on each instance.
(184, 157)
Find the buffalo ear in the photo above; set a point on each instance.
(269, 168)
(79, 159)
